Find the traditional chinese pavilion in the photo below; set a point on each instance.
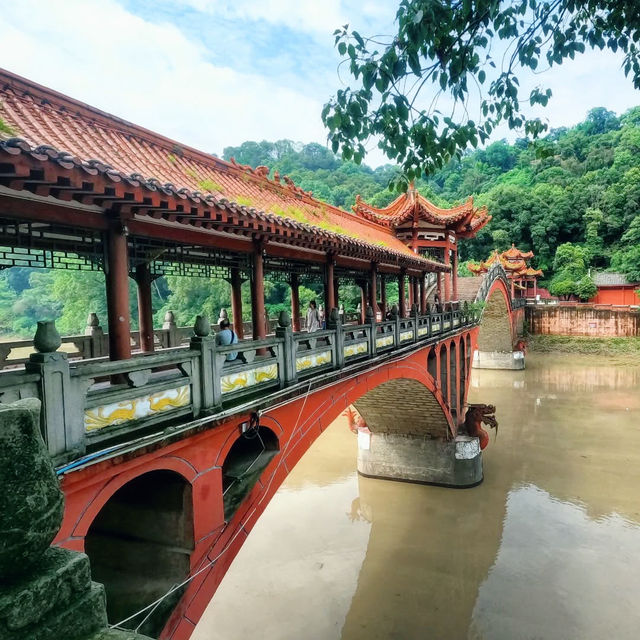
(524, 278)
(82, 189)
(428, 230)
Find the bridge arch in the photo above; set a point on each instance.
(495, 332)
(403, 406)
(140, 545)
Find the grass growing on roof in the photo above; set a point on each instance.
(5, 128)
(210, 185)
(247, 202)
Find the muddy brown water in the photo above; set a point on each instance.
(548, 547)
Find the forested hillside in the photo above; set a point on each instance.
(579, 186)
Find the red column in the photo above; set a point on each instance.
(373, 289)
(459, 391)
(329, 289)
(401, 299)
(383, 296)
(117, 280)
(455, 274)
(363, 302)
(336, 289)
(447, 276)
(257, 295)
(423, 294)
(411, 300)
(236, 302)
(295, 302)
(145, 311)
(416, 290)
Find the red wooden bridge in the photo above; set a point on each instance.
(167, 451)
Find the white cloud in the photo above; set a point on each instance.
(312, 16)
(151, 74)
(162, 77)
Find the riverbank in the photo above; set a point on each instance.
(584, 345)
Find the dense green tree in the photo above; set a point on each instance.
(627, 257)
(571, 277)
(448, 48)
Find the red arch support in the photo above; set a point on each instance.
(199, 458)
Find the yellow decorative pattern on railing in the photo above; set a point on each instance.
(110, 415)
(447, 324)
(456, 322)
(406, 335)
(249, 378)
(385, 341)
(356, 349)
(435, 326)
(423, 331)
(312, 361)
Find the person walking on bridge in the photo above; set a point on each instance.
(227, 336)
(313, 317)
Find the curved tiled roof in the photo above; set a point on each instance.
(464, 218)
(50, 127)
(513, 261)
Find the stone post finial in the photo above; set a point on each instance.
(202, 327)
(368, 313)
(46, 339)
(92, 320)
(284, 319)
(414, 309)
(394, 311)
(169, 320)
(334, 316)
(223, 315)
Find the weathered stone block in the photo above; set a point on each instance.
(31, 503)
(60, 578)
(83, 618)
(116, 634)
(418, 459)
(511, 360)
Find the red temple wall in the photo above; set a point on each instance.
(616, 295)
(583, 320)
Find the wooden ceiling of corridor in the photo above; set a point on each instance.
(159, 188)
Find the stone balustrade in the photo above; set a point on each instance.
(92, 403)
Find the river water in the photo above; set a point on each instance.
(547, 547)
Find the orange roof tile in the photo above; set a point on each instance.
(44, 117)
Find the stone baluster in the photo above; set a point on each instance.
(395, 316)
(98, 346)
(210, 365)
(287, 363)
(171, 329)
(335, 324)
(370, 318)
(61, 416)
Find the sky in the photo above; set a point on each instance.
(214, 73)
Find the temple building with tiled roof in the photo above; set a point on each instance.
(515, 262)
(428, 230)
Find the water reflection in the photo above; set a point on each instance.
(560, 574)
(544, 548)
